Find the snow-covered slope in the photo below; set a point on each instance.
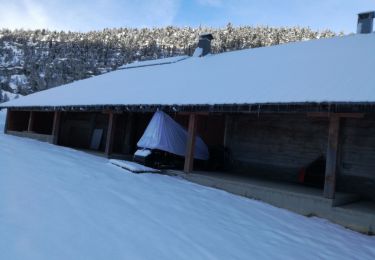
(327, 70)
(58, 203)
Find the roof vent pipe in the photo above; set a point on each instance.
(365, 22)
(204, 45)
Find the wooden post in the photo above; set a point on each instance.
(110, 134)
(31, 122)
(227, 125)
(332, 154)
(190, 144)
(56, 127)
(7, 119)
(92, 123)
(128, 133)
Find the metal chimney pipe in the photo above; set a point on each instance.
(205, 43)
(365, 22)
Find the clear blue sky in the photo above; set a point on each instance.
(84, 15)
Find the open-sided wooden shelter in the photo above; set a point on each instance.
(276, 108)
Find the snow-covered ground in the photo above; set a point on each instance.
(58, 203)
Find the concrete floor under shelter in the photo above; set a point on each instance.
(346, 209)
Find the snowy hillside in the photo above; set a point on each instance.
(58, 203)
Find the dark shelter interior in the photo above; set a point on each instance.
(288, 147)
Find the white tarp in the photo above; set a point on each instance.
(163, 133)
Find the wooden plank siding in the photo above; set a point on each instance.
(357, 158)
(358, 147)
(273, 144)
(277, 146)
(129, 134)
(76, 129)
(18, 120)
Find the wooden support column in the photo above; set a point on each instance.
(7, 120)
(333, 148)
(190, 144)
(31, 122)
(110, 134)
(332, 154)
(92, 123)
(227, 125)
(128, 134)
(56, 127)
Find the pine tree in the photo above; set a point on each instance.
(5, 97)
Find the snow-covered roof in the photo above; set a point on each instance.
(339, 69)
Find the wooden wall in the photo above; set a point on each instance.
(209, 127)
(275, 145)
(77, 128)
(129, 128)
(357, 157)
(119, 134)
(141, 121)
(43, 122)
(18, 120)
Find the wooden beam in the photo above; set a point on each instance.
(197, 113)
(111, 111)
(56, 127)
(190, 144)
(332, 154)
(31, 122)
(326, 114)
(110, 134)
